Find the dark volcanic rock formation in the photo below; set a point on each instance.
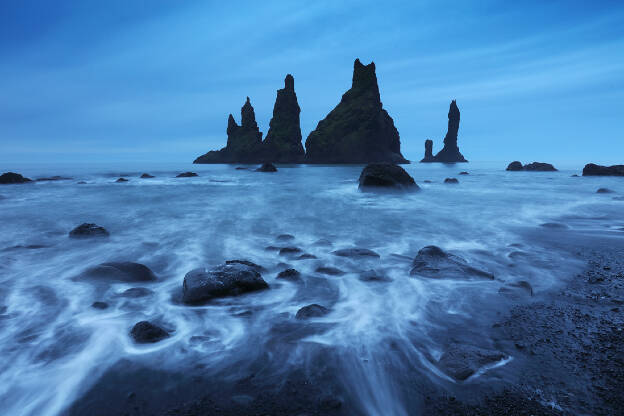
(201, 285)
(433, 262)
(283, 141)
(267, 167)
(146, 332)
(11, 178)
(450, 152)
(428, 152)
(244, 143)
(597, 170)
(358, 130)
(87, 230)
(516, 166)
(384, 175)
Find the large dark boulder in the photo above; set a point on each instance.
(531, 167)
(244, 142)
(592, 169)
(450, 152)
(202, 285)
(88, 230)
(433, 262)
(126, 272)
(385, 175)
(428, 152)
(311, 311)
(145, 332)
(283, 141)
(266, 167)
(358, 130)
(9, 178)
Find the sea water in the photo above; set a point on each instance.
(54, 345)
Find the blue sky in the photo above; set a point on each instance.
(155, 80)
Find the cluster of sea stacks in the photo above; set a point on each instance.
(358, 130)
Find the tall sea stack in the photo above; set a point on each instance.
(358, 130)
(283, 141)
(450, 152)
(244, 142)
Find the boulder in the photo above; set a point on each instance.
(311, 311)
(88, 230)
(255, 266)
(187, 175)
(244, 142)
(126, 272)
(283, 140)
(604, 191)
(358, 129)
(99, 305)
(450, 152)
(531, 167)
(202, 285)
(433, 262)
(451, 180)
(463, 361)
(147, 176)
(287, 251)
(384, 175)
(331, 271)
(145, 332)
(355, 252)
(120, 180)
(289, 274)
(267, 167)
(464, 173)
(592, 169)
(9, 178)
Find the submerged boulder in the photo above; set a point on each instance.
(201, 285)
(604, 191)
(355, 252)
(9, 178)
(125, 271)
(244, 142)
(385, 175)
(592, 169)
(145, 332)
(358, 129)
(120, 180)
(283, 141)
(433, 262)
(267, 167)
(146, 176)
(311, 311)
(289, 274)
(531, 167)
(187, 175)
(87, 230)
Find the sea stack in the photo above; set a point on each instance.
(428, 152)
(283, 141)
(450, 152)
(358, 129)
(244, 142)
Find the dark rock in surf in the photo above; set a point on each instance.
(283, 140)
(202, 285)
(433, 262)
(358, 129)
(120, 180)
(592, 169)
(54, 178)
(531, 167)
(9, 178)
(450, 152)
(331, 271)
(266, 167)
(244, 142)
(289, 274)
(147, 176)
(306, 256)
(463, 361)
(99, 305)
(554, 225)
(88, 230)
(187, 175)
(355, 253)
(311, 311)
(451, 180)
(287, 251)
(127, 272)
(464, 173)
(604, 191)
(373, 276)
(384, 175)
(145, 332)
(428, 152)
(136, 292)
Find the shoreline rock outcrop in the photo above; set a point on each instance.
(283, 141)
(9, 178)
(450, 152)
(358, 129)
(517, 166)
(592, 169)
(244, 142)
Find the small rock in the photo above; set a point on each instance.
(289, 274)
(311, 311)
(355, 252)
(285, 237)
(266, 167)
(87, 230)
(147, 176)
(604, 191)
(554, 225)
(373, 276)
(120, 272)
(306, 256)
(121, 180)
(145, 332)
(81, 183)
(53, 178)
(9, 178)
(136, 292)
(451, 180)
(464, 173)
(99, 305)
(332, 271)
(285, 251)
(187, 175)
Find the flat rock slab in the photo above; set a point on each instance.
(355, 252)
(119, 272)
(463, 361)
(202, 285)
(433, 262)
